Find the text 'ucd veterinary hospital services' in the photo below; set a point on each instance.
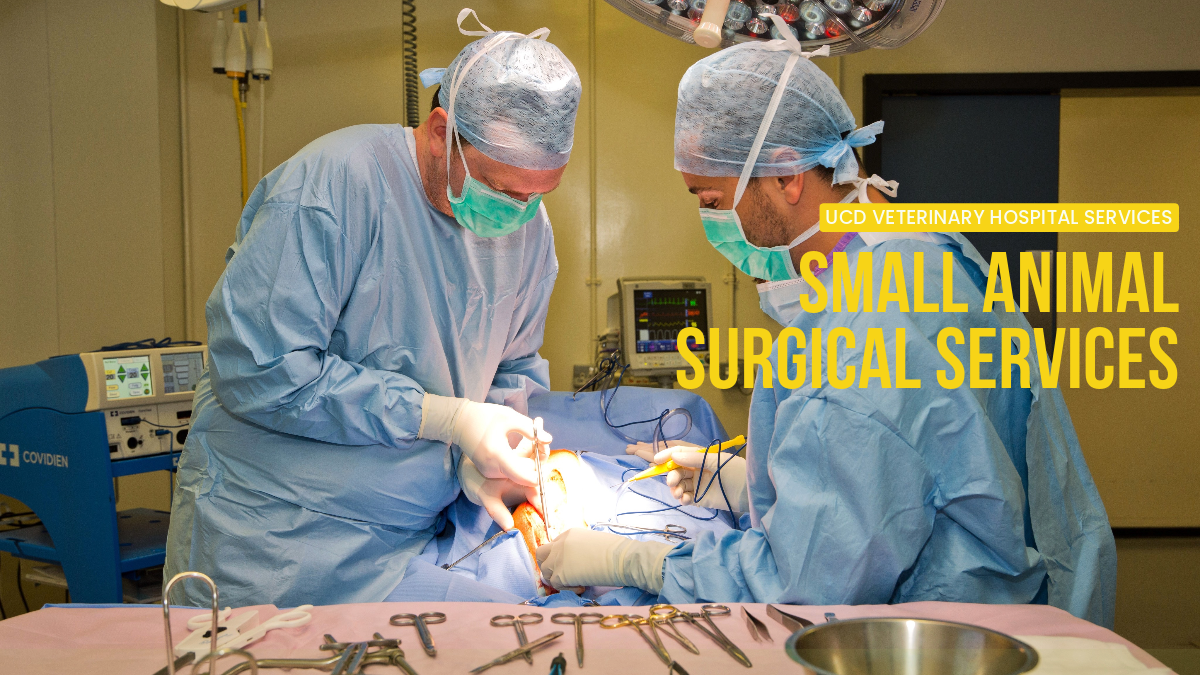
(854, 353)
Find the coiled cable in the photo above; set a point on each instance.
(412, 96)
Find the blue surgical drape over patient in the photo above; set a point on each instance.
(346, 296)
(875, 495)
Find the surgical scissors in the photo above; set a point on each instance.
(663, 615)
(519, 651)
(729, 648)
(669, 531)
(623, 620)
(518, 624)
(707, 612)
(578, 620)
(420, 621)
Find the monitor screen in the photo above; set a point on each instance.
(127, 377)
(181, 371)
(659, 315)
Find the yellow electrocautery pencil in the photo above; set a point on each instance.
(670, 464)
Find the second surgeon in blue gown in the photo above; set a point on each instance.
(857, 494)
(358, 330)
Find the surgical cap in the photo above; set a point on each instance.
(722, 100)
(517, 103)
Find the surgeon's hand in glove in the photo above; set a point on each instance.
(583, 557)
(485, 432)
(495, 495)
(646, 450)
(683, 481)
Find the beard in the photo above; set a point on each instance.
(765, 225)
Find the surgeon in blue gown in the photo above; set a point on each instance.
(856, 494)
(374, 338)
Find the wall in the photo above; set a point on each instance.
(90, 236)
(84, 214)
(1141, 444)
(1140, 448)
(1021, 36)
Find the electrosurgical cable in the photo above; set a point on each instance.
(668, 507)
(699, 494)
(608, 367)
(149, 343)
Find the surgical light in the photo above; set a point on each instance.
(787, 11)
(739, 13)
(776, 35)
(847, 26)
(861, 16)
(812, 12)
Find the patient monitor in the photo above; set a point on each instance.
(645, 317)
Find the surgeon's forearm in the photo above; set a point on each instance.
(709, 568)
(519, 379)
(319, 396)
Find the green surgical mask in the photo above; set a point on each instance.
(487, 212)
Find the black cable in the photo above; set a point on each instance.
(20, 588)
(603, 369)
(408, 31)
(149, 343)
(171, 476)
(669, 507)
(697, 494)
(163, 426)
(659, 421)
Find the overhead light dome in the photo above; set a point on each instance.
(847, 26)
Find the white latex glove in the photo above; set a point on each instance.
(646, 450)
(482, 431)
(682, 481)
(583, 557)
(496, 495)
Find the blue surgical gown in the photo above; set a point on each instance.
(886, 495)
(346, 296)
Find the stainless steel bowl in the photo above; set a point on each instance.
(886, 646)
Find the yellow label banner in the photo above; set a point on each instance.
(857, 217)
